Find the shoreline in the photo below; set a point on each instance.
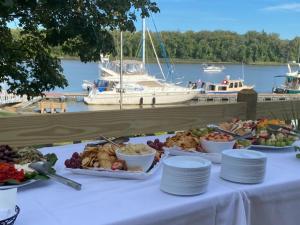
(196, 61)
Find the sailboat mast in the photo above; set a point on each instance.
(121, 70)
(157, 59)
(144, 42)
(299, 53)
(243, 71)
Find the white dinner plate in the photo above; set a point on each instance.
(187, 163)
(244, 154)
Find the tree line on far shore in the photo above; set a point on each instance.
(218, 46)
(208, 46)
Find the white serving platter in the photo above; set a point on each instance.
(25, 183)
(134, 175)
(271, 148)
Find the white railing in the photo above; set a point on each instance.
(6, 98)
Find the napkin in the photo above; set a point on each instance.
(8, 200)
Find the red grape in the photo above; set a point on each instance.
(74, 162)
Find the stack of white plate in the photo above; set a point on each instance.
(185, 175)
(243, 166)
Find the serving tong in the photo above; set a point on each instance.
(45, 168)
(235, 136)
(105, 140)
(110, 141)
(276, 128)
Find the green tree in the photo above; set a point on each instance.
(79, 27)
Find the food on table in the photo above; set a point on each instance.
(138, 157)
(186, 140)
(200, 132)
(24, 167)
(7, 154)
(156, 144)
(216, 142)
(74, 161)
(15, 162)
(263, 123)
(239, 127)
(262, 132)
(101, 156)
(218, 137)
(29, 155)
(278, 140)
(136, 149)
(243, 143)
(266, 136)
(9, 174)
(20, 156)
(105, 157)
(119, 165)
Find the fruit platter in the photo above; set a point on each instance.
(266, 134)
(194, 142)
(129, 161)
(14, 166)
(262, 134)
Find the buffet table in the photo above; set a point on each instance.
(117, 201)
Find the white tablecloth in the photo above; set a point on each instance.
(117, 201)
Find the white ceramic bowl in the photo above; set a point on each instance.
(215, 146)
(137, 161)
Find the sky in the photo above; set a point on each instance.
(272, 16)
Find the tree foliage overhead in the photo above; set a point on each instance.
(80, 27)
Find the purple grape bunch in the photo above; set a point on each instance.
(7, 154)
(156, 144)
(74, 162)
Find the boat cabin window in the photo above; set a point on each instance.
(236, 84)
(104, 85)
(240, 84)
(222, 88)
(130, 67)
(231, 85)
(211, 87)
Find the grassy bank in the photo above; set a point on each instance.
(6, 114)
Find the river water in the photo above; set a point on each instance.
(260, 76)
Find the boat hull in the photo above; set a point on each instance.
(212, 70)
(234, 91)
(293, 91)
(140, 98)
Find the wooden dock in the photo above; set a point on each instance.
(231, 98)
(65, 95)
(201, 98)
(52, 107)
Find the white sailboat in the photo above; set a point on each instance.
(212, 68)
(138, 87)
